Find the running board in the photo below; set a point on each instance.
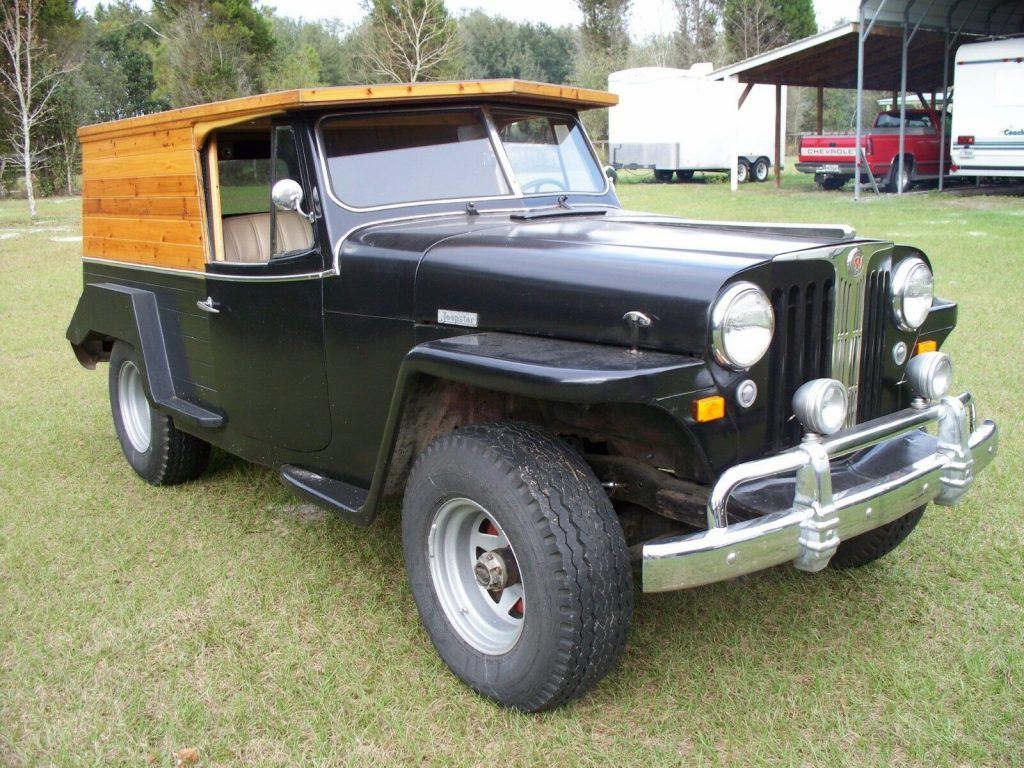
(336, 495)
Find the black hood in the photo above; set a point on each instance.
(575, 276)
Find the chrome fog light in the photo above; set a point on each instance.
(821, 405)
(930, 375)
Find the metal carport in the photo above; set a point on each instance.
(898, 45)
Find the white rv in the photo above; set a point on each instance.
(680, 121)
(987, 132)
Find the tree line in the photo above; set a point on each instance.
(62, 67)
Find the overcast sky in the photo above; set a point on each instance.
(648, 16)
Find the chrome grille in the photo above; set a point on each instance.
(856, 360)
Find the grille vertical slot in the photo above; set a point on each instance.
(869, 400)
(803, 351)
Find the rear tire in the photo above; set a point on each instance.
(662, 177)
(907, 181)
(159, 452)
(761, 169)
(868, 547)
(684, 175)
(832, 183)
(742, 171)
(515, 490)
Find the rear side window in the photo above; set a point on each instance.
(243, 165)
(391, 159)
(886, 120)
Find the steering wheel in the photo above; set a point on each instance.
(536, 184)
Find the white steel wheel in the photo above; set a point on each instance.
(534, 627)
(761, 169)
(134, 405)
(158, 452)
(476, 576)
(742, 172)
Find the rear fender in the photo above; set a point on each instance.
(110, 312)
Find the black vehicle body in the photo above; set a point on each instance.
(333, 366)
(375, 298)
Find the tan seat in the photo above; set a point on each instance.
(247, 238)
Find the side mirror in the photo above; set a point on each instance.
(287, 196)
(611, 173)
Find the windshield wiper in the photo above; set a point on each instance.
(563, 209)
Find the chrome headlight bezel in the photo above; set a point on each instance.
(721, 314)
(904, 278)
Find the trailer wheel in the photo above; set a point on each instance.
(761, 169)
(743, 172)
(684, 175)
(662, 177)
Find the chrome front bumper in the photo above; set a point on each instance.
(807, 530)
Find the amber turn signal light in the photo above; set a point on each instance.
(928, 345)
(709, 408)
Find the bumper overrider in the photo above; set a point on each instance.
(827, 490)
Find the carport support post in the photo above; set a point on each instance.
(821, 110)
(945, 98)
(778, 135)
(903, 100)
(862, 33)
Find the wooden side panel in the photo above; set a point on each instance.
(141, 199)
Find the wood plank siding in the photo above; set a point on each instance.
(142, 177)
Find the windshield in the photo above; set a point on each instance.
(548, 153)
(426, 156)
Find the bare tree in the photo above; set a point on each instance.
(410, 40)
(698, 30)
(30, 77)
(753, 27)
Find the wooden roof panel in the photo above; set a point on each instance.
(392, 93)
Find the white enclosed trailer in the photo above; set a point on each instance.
(987, 131)
(681, 121)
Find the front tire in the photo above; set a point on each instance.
(869, 546)
(158, 451)
(742, 172)
(558, 608)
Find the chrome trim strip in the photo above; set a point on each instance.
(210, 275)
(145, 267)
(810, 531)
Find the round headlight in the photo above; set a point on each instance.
(742, 324)
(913, 289)
(930, 375)
(821, 406)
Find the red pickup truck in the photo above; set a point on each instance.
(831, 158)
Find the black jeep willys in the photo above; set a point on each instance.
(431, 290)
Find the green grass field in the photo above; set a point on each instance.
(229, 617)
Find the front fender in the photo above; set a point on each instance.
(543, 369)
